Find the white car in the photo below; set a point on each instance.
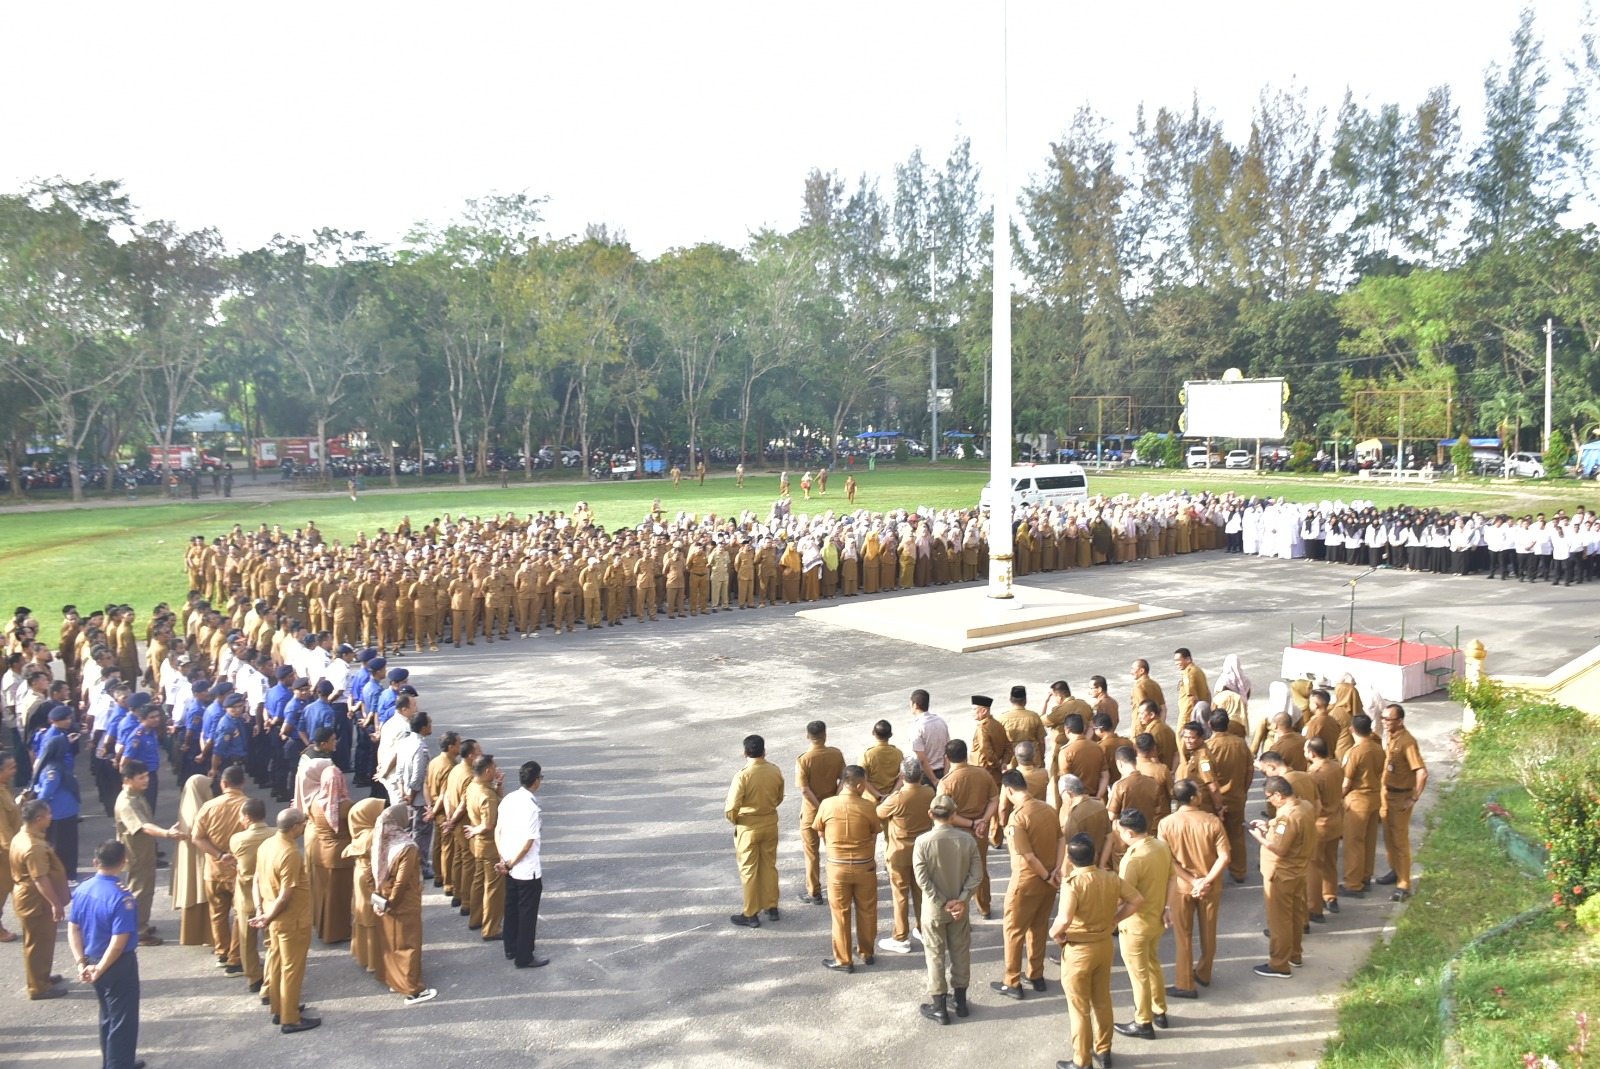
(1527, 465)
(1239, 458)
(1197, 457)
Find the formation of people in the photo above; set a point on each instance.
(252, 886)
(1114, 825)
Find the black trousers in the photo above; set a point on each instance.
(117, 990)
(63, 836)
(521, 923)
(344, 730)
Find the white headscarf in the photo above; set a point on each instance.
(1233, 677)
(392, 838)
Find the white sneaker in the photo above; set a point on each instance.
(893, 945)
(916, 934)
(421, 996)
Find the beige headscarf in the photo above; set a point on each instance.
(187, 888)
(391, 839)
(363, 819)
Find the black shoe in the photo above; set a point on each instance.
(1102, 1061)
(1236, 879)
(436, 881)
(1389, 877)
(937, 1010)
(959, 1000)
(1068, 1063)
(1037, 983)
(1305, 929)
(869, 959)
(255, 988)
(1268, 970)
(1141, 1031)
(1362, 893)
(474, 927)
(841, 966)
(1317, 918)
(305, 1024)
(1331, 905)
(455, 901)
(772, 914)
(232, 970)
(536, 962)
(1400, 895)
(1008, 992)
(743, 921)
(1160, 1020)
(1202, 983)
(54, 992)
(1267, 932)
(810, 900)
(465, 912)
(1178, 992)
(511, 955)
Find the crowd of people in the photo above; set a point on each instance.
(254, 887)
(1114, 825)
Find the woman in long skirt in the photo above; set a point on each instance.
(366, 943)
(328, 836)
(188, 888)
(397, 870)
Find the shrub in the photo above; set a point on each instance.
(1461, 455)
(1589, 915)
(1558, 456)
(1301, 456)
(902, 451)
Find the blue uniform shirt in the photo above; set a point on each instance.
(318, 714)
(103, 909)
(356, 686)
(143, 744)
(208, 723)
(43, 737)
(230, 740)
(278, 697)
(115, 720)
(386, 704)
(293, 713)
(369, 696)
(193, 715)
(57, 786)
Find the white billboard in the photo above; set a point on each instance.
(1242, 408)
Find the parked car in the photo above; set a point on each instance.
(1197, 456)
(1238, 458)
(1527, 465)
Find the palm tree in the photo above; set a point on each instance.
(1584, 414)
(1510, 410)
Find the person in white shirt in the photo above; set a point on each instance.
(929, 734)
(518, 835)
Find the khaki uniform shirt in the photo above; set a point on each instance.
(1090, 896)
(1329, 778)
(972, 788)
(1197, 839)
(1088, 817)
(280, 866)
(483, 807)
(1134, 791)
(817, 769)
(1165, 738)
(849, 827)
(1033, 829)
(991, 747)
(882, 764)
(216, 822)
(1402, 761)
(1294, 831)
(1147, 864)
(905, 816)
(754, 795)
(1363, 767)
(1144, 690)
(131, 814)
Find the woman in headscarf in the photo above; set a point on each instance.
(789, 568)
(1232, 692)
(871, 567)
(366, 941)
(188, 889)
(55, 783)
(397, 873)
(333, 874)
(810, 569)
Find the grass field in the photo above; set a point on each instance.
(133, 554)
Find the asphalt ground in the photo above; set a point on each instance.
(639, 730)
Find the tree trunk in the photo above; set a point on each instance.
(461, 462)
(527, 444)
(322, 449)
(637, 416)
(394, 464)
(14, 454)
(744, 419)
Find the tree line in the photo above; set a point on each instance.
(1397, 270)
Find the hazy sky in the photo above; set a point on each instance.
(676, 122)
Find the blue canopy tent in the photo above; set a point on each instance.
(959, 434)
(1476, 443)
(1588, 458)
(879, 434)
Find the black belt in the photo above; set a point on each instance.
(1399, 790)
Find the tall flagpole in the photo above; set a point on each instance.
(1000, 541)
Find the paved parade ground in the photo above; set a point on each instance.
(639, 730)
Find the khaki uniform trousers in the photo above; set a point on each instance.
(1397, 837)
(219, 900)
(499, 619)
(699, 587)
(756, 847)
(906, 893)
(946, 945)
(1322, 876)
(853, 884)
(1141, 955)
(980, 899)
(445, 866)
(1189, 910)
(286, 964)
(719, 591)
(1286, 919)
(1027, 919)
(747, 593)
(492, 901)
(344, 629)
(675, 600)
(1360, 840)
(139, 878)
(388, 628)
(566, 606)
(244, 936)
(1086, 974)
(809, 845)
(472, 886)
(38, 937)
(525, 617)
(427, 631)
(644, 600)
(464, 625)
(1233, 825)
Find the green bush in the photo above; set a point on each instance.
(1558, 456)
(1302, 456)
(1151, 447)
(902, 451)
(1566, 801)
(1589, 915)
(1461, 455)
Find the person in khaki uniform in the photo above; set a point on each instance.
(948, 869)
(1363, 802)
(1103, 733)
(463, 610)
(1200, 853)
(818, 772)
(977, 802)
(1146, 689)
(615, 582)
(1322, 875)
(1034, 837)
(699, 572)
(10, 826)
(1093, 903)
(1082, 758)
(644, 587)
(1288, 743)
(1148, 715)
(1287, 843)
(425, 601)
(245, 845)
(41, 897)
(456, 855)
(589, 581)
(1147, 865)
(1234, 770)
(137, 830)
(1021, 723)
(1148, 763)
(568, 590)
(488, 907)
(752, 809)
(883, 762)
(213, 828)
(283, 908)
(720, 563)
(1027, 755)
(991, 745)
(1194, 762)
(1404, 777)
(1133, 791)
(1192, 685)
(904, 812)
(1060, 704)
(524, 587)
(744, 564)
(848, 826)
(434, 777)
(675, 570)
(1083, 814)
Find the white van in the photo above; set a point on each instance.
(1043, 484)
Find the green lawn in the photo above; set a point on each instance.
(134, 554)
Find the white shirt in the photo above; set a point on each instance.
(317, 664)
(929, 734)
(519, 821)
(338, 673)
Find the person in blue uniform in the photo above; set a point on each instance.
(189, 724)
(366, 723)
(294, 738)
(320, 712)
(141, 739)
(231, 742)
(103, 931)
(279, 695)
(55, 784)
(208, 725)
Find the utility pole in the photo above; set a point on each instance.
(933, 375)
(1000, 535)
(1549, 365)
